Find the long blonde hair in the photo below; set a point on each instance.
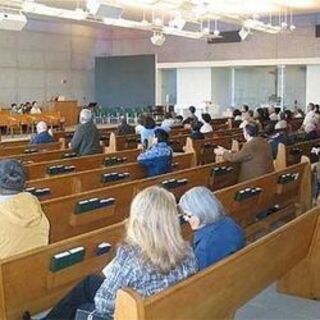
(153, 227)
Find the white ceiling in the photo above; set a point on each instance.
(229, 6)
(135, 9)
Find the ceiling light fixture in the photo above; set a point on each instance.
(177, 22)
(243, 33)
(158, 38)
(252, 24)
(93, 6)
(184, 18)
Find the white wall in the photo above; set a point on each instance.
(254, 85)
(313, 84)
(221, 89)
(167, 84)
(294, 85)
(193, 86)
(34, 62)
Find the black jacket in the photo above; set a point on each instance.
(86, 139)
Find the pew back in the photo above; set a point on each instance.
(18, 150)
(68, 218)
(75, 214)
(204, 149)
(98, 178)
(14, 143)
(40, 170)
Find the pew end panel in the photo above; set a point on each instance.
(292, 154)
(188, 148)
(280, 162)
(304, 279)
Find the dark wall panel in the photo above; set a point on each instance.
(125, 81)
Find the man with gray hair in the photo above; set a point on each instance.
(43, 135)
(86, 139)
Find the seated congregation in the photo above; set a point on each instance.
(170, 234)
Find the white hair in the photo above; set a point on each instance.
(41, 127)
(203, 204)
(154, 228)
(85, 116)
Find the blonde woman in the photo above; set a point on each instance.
(152, 257)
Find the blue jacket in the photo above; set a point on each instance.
(43, 137)
(274, 141)
(157, 160)
(217, 241)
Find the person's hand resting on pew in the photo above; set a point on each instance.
(219, 151)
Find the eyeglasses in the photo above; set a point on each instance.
(186, 216)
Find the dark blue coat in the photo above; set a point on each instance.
(217, 241)
(43, 137)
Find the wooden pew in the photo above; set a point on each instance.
(50, 188)
(179, 130)
(20, 290)
(19, 121)
(221, 123)
(13, 151)
(74, 214)
(66, 219)
(124, 141)
(28, 158)
(177, 140)
(104, 134)
(14, 143)
(204, 149)
(40, 170)
(286, 192)
(291, 154)
(119, 143)
(219, 291)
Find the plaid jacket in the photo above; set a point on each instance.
(128, 270)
